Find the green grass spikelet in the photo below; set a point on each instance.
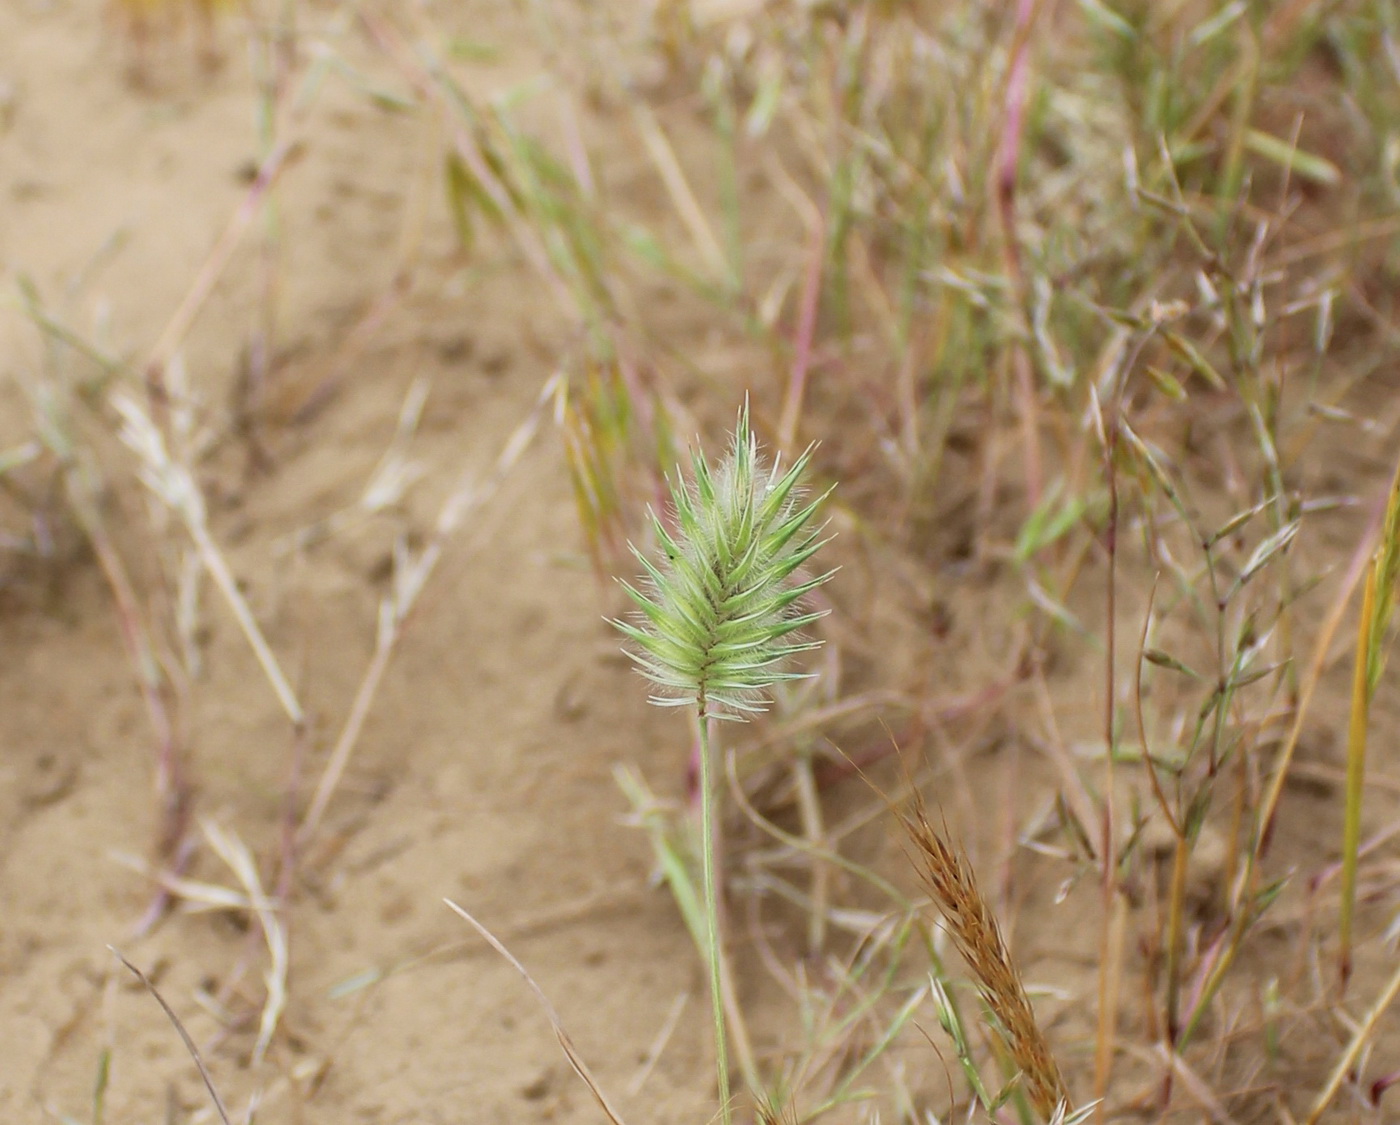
(718, 616)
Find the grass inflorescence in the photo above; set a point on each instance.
(718, 616)
(716, 628)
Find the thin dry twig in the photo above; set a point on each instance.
(184, 1035)
(565, 1043)
(235, 853)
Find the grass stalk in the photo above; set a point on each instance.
(1377, 605)
(173, 483)
(1346, 1065)
(560, 1034)
(1110, 430)
(1355, 780)
(184, 1035)
(1273, 794)
(714, 950)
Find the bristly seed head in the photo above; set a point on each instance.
(718, 617)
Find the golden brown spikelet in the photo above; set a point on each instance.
(952, 885)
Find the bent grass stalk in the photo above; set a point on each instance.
(718, 618)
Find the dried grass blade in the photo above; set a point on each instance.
(235, 853)
(1377, 604)
(1347, 1062)
(567, 1044)
(213, 267)
(466, 497)
(678, 187)
(184, 1035)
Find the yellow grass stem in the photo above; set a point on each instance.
(1356, 774)
(565, 1042)
(1323, 645)
(682, 197)
(1377, 605)
(1110, 989)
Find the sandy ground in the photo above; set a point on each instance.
(485, 769)
(484, 772)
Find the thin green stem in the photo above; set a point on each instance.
(713, 953)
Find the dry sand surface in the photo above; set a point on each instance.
(484, 772)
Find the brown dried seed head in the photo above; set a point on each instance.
(973, 927)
